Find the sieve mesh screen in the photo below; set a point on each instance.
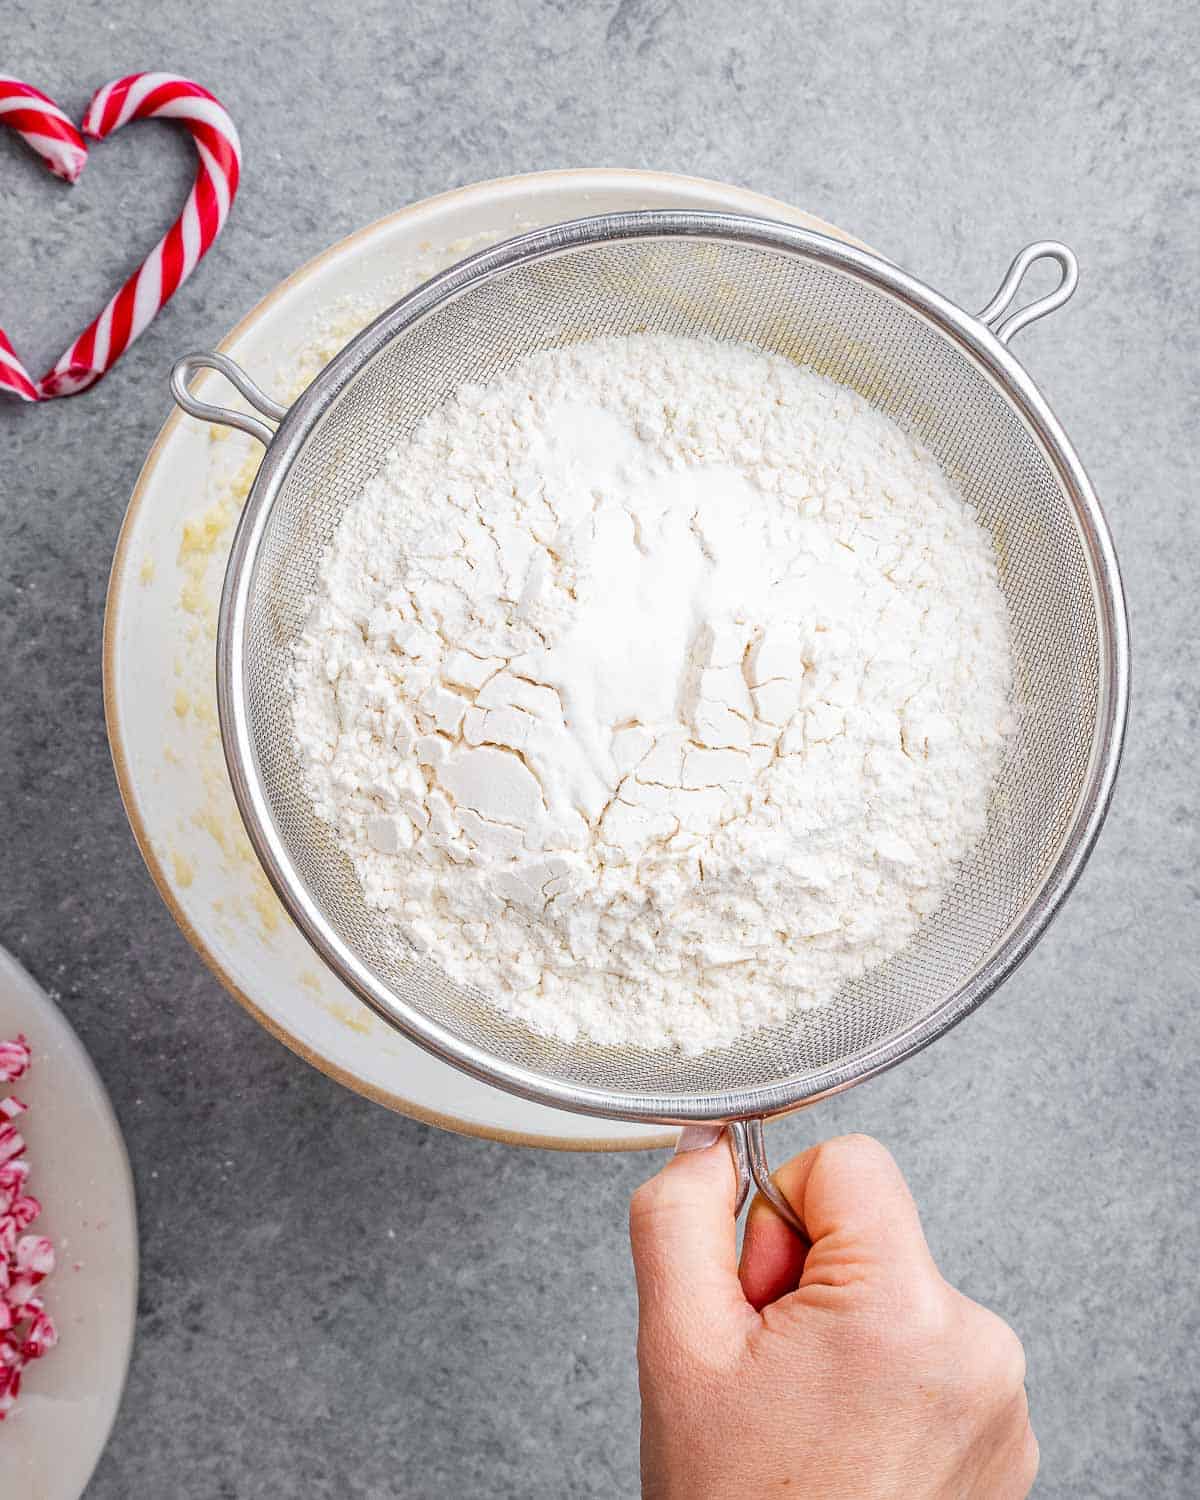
(854, 332)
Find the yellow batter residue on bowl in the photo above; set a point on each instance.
(192, 743)
(356, 1017)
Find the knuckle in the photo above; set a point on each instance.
(649, 1194)
(644, 1207)
(1001, 1356)
(905, 1328)
(643, 1198)
(657, 1199)
(965, 1356)
(856, 1148)
(916, 1319)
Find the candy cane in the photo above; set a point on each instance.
(39, 121)
(43, 126)
(14, 377)
(145, 96)
(148, 96)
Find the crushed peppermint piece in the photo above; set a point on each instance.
(15, 1058)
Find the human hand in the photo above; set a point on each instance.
(842, 1367)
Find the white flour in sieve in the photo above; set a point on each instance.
(657, 689)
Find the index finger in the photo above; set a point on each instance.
(684, 1237)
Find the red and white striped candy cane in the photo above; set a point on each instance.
(140, 96)
(14, 377)
(43, 126)
(149, 96)
(39, 121)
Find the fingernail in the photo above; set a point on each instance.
(698, 1138)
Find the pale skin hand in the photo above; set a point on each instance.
(844, 1368)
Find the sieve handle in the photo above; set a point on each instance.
(749, 1152)
(994, 314)
(183, 370)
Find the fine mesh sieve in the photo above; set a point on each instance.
(944, 375)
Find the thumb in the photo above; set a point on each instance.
(859, 1217)
(684, 1239)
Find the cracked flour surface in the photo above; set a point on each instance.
(657, 689)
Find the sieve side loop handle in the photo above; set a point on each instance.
(183, 370)
(749, 1152)
(993, 315)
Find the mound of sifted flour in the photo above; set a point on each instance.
(657, 689)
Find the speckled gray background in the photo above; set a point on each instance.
(336, 1302)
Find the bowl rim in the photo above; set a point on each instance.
(988, 353)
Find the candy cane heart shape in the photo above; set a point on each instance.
(147, 96)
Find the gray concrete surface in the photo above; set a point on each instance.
(337, 1302)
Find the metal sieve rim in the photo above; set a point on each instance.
(984, 338)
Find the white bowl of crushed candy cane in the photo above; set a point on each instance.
(27, 1330)
(68, 1249)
